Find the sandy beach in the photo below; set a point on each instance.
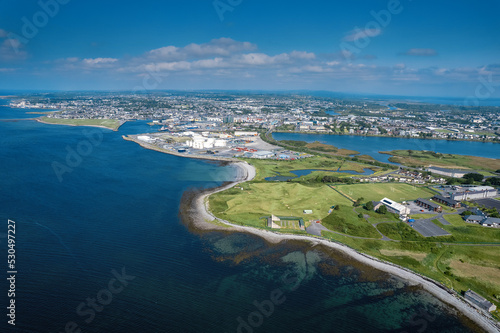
(200, 215)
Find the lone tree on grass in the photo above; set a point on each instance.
(358, 202)
(382, 209)
(369, 205)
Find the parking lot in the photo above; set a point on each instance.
(428, 229)
(489, 203)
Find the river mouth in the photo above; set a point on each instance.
(305, 172)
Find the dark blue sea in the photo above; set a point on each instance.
(100, 247)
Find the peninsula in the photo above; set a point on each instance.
(434, 248)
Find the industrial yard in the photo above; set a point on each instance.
(215, 145)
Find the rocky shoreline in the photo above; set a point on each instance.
(200, 215)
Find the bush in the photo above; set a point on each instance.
(337, 207)
(473, 177)
(369, 205)
(382, 209)
(360, 215)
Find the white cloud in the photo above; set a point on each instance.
(333, 63)
(3, 33)
(97, 61)
(357, 33)
(222, 47)
(302, 55)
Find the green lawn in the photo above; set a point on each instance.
(347, 222)
(399, 231)
(394, 191)
(284, 199)
(109, 123)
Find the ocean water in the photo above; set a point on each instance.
(372, 145)
(118, 210)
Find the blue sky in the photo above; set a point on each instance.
(407, 47)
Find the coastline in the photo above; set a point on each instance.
(171, 152)
(202, 218)
(48, 123)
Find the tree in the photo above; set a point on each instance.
(382, 209)
(337, 207)
(369, 205)
(358, 202)
(493, 181)
(473, 176)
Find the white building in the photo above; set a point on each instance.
(145, 138)
(394, 207)
(475, 193)
(200, 142)
(455, 173)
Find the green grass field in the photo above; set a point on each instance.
(394, 191)
(399, 231)
(109, 123)
(285, 199)
(270, 168)
(344, 220)
(456, 265)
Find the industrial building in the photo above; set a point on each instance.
(474, 193)
(434, 207)
(455, 173)
(479, 301)
(201, 142)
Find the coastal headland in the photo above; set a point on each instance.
(111, 124)
(200, 216)
(146, 145)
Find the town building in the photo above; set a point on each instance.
(474, 218)
(446, 201)
(493, 222)
(394, 207)
(434, 207)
